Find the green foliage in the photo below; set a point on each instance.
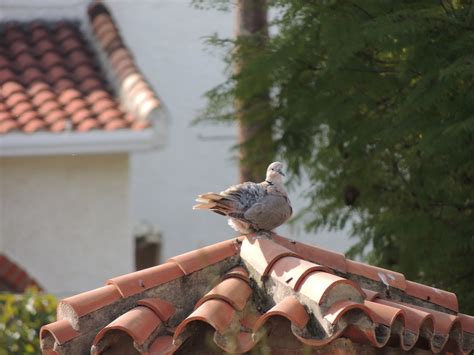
(374, 101)
(21, 317)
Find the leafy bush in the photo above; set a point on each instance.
(21, 317)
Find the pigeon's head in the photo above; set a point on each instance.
(275, 172)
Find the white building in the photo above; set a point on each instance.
(167, 39)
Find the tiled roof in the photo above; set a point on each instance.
(14, 277)
(51, 77)
(254, 293)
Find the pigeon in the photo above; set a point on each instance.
(252, 207)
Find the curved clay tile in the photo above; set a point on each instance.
(87, 124)
(116, 123)
(72, 43)
(54, 116)
(139, 281)
(263, 253)
(139, 323)
(434, 295)
(5, 116)
(387, 277)
(47, 106)
(109, 115)
(84, 71)
(75, 104)
(27, 117)
(96, 95)
(16, 98)
(289, 308)
(68, 95)
(326, 289)
(232, 290)
(164, 310)
(87, 302)
(37, 87)
(198, 259)
(82, 115)
(293, 271)
(90, 84)
(7, 75)
(11, 87)
(43, 96)
(43, 46)
(39, 33)
(103, 105)
(8, 125)
(61, 331)
(21, 107)
(56, 73)
(32, 74)
(238, 272)
(58, 126)
(26, 60)
(33, 126)
(334, 260)
(217, 313)
(63, 84)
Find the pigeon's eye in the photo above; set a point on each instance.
(273, 169)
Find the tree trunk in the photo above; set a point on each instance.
(253, 111)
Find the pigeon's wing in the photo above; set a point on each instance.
(234, 201)
(270, 212)
(244, 196)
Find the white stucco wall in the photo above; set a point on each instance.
(66, 220)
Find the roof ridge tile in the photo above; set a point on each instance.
(139, 281)
(202, 257)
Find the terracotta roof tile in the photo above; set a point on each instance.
(47, 66)
(261, 288)
(164, 310)
(200, 258)
(12, 274)
(432, 294)
(136, 282)
(289, 308)
(233, 290)
(88, 302)
(61, 331)
(140, 322)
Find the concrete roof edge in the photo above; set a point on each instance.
(78, 143)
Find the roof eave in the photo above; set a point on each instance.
(79, 143)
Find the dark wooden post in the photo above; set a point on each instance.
(252, 112)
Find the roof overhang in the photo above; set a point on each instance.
(65, 143)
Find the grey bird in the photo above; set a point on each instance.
(252, 207)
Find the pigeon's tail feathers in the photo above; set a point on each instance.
(210, 196)
(214, 202)
(202, 205)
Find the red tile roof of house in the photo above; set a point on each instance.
(51, 77)
(14, 277)
(254, 293)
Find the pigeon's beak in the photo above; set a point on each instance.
(281, 173)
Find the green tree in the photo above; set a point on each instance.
(374, 101)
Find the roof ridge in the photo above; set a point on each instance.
(135, 92)
(260, 281)
(389, 278)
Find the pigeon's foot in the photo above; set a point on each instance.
(263, 234)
